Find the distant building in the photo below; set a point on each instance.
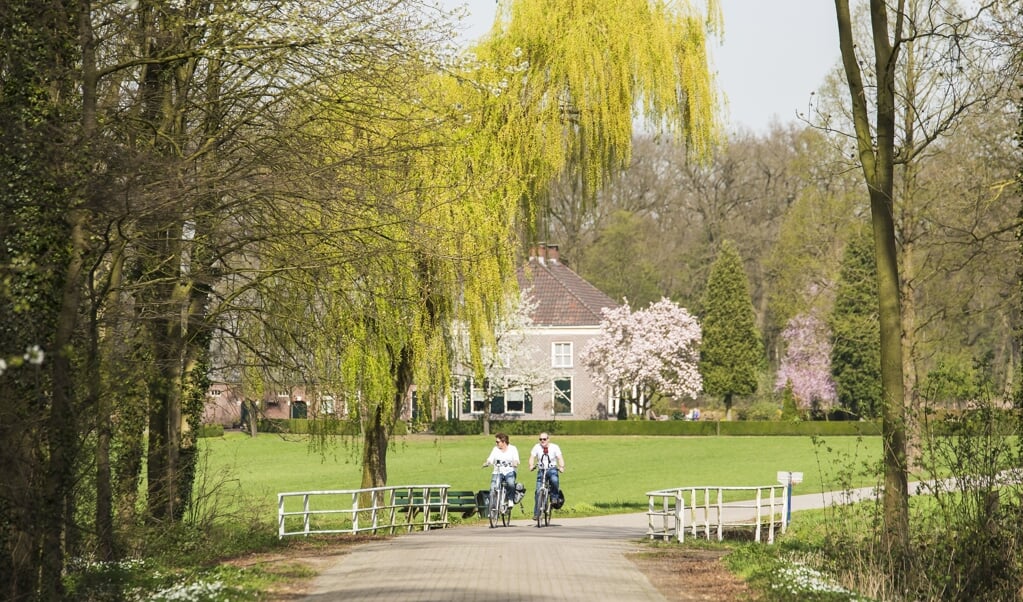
(224, 404)
(566, 315)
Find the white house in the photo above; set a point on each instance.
(565, 314)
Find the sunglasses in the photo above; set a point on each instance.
(543, 438)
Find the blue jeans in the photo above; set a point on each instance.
(509, 484)
(552, 483)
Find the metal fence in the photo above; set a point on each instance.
(715, 510)
(377, 509)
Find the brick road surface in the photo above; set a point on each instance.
(573, 559)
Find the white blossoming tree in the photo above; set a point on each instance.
(510, 362)
(653, 352)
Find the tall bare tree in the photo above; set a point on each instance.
(896, 114)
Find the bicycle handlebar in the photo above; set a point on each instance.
(498, 463)
(548, 468)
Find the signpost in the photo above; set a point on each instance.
(789, 478)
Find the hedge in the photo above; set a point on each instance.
(700, 428)
(697, 428)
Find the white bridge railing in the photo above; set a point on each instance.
(707, 510)
(359, 510)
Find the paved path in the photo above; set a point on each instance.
(572, 559)
(577, 559)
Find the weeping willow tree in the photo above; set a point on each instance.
(405, 229)
(593, 69)
(423, 235)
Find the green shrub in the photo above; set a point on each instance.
(210, 430)
(458, 427)
(308, 426)
(761, 410)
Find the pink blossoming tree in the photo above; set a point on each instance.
(654, 351)
(807, 363)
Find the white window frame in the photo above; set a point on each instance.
(516, 395)
(571, 396)
(477, 394)
(559, 357)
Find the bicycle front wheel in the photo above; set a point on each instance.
(505, 509)
(541, 505)
(546, 514)
(495, 500)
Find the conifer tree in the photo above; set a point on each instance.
(856, 351)
(733, 352)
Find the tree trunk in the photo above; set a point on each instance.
(486, 411)
(914, 410)
(377, 431)
(62, 424)
(104, 513)
(907, 286)
(251, 416)
(896, 486)
(159, 464)
(876, 157)
(165, 417)
(374, 450)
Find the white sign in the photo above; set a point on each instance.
(786, 477)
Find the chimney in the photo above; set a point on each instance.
(544, 252)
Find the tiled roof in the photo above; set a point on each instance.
(561, 296)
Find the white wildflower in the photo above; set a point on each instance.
(34, 355)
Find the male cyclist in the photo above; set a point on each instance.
(548, 458)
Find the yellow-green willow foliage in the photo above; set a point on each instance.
(593, 67)
(413, 232)
(432, 179)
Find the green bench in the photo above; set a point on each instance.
(464, 502)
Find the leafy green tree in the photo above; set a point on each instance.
(619, 261)
(856, 346)
(803, 264)
(732, 353)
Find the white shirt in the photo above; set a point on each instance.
(553, 453)
(504, 461)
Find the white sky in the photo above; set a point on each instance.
(774, 54)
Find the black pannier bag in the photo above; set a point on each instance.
(520, 492)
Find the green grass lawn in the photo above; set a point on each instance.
(605, 474)
(239, 478)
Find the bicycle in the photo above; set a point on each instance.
(543, 499)
(501, 510)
